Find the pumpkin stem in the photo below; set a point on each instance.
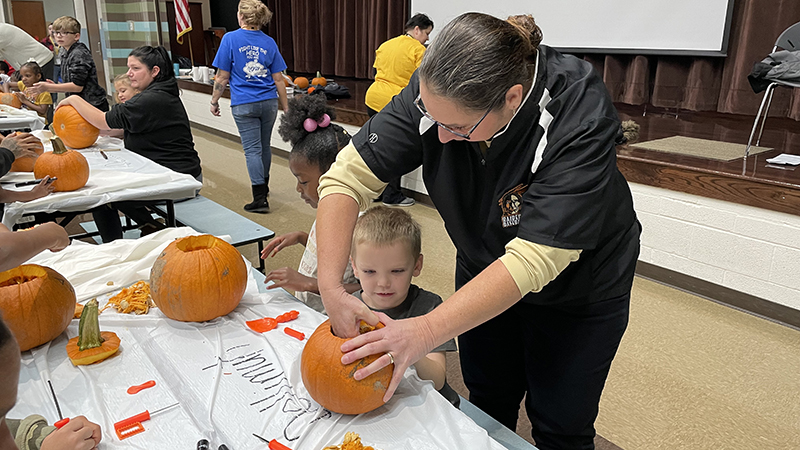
(89, 327)
(58, 145)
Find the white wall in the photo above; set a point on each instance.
(748, 249)
(744, 248)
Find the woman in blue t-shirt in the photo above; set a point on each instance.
(250, 61)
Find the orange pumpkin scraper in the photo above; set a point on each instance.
(133, 425)
(135, 389)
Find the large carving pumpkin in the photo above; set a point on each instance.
(73, 129)
(198, 278)
(10, 100)
(37, 304)
(331, 383)
(69, 166)
(25, 164)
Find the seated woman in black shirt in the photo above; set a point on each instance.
(155, 126)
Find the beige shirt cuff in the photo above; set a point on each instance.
(350, 175)
(532, 266)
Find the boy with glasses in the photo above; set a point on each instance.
(78, 71)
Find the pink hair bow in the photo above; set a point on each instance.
(311, 124)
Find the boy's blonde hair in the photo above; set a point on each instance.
(254, 12)
(67, 23)
(383, 226)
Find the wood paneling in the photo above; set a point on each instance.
(30, 17)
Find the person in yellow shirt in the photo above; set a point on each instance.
(31, 73)
(395, 62)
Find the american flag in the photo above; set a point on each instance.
(183, 23)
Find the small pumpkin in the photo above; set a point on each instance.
(301, 82)
(91, 345)
(331, 383)
(73, 129)
(319, 80)
(69, 166)
(198, 278)
(37, 303)
(10, 100)
(25, 164)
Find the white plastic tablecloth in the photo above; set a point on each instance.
(230, 382)
(12, 118)
(123, 176)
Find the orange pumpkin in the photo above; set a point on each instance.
(26, 163)
(319, 80)
(73, 129)
(198, 278)
(37, 303)
(91, 345)
(301, 82)
(10, 100)
(69, 166)
(331, 383)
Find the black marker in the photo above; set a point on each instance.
(32, 182)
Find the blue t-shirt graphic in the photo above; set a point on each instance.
(251, 57)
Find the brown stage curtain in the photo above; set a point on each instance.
(708, 83)
(335, 37)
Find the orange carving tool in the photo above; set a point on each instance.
(133, 425)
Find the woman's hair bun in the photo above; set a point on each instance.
(527, 26)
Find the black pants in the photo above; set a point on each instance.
(392, 194)
(106, 218)
(560, 356)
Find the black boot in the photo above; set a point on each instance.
(259, 204)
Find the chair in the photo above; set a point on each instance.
(788, 40)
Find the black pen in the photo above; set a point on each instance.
(32, 182)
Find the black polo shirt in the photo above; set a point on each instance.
(550, 179)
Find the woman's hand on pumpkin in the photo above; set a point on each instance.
(289, 278)
(407, 340)
(285, 240)
(78, 434)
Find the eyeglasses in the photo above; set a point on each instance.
(421, 107)
(62, 33)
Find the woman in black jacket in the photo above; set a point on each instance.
(155, 126)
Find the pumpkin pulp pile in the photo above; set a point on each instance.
(91, 345)
(331, 383)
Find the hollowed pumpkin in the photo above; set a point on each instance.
(25, 164)
(37, 304)
(69, 166)
(198, 278)
(91, 345)
(331, 383)
(10, 100)
(73, 129)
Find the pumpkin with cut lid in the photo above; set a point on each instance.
(198, 278)
(37, 304)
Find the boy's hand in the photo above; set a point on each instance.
(44, 188)
(291, 279)
(39, 87)
(77, 434)
(285, 240)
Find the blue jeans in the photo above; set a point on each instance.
(255, 121)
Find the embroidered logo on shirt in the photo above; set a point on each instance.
(511, 205)
(373, 138)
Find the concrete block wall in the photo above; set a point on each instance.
(748, 249)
